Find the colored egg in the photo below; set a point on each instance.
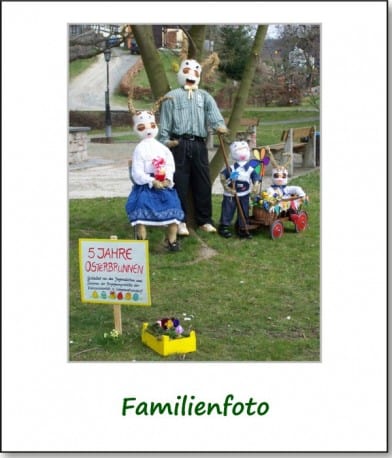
(95, 295)
(120, 296)
(128, 296)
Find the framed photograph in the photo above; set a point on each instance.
(246, 307)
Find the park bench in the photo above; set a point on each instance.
(248, 130)
(298, 140)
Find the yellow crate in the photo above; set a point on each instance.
(164, 345)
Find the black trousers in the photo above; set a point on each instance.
(228, 208)
(193, 173)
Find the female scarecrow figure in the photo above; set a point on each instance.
(153, 201)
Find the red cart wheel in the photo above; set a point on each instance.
(276, 229)
(302, 221)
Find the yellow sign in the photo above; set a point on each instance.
(114, 271)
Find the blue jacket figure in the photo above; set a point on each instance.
(240, 181)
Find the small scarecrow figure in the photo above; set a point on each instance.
(279, 187)
(279, 196)
(238, 180)
(153, 200)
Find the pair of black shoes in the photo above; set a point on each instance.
(224, 232)
(243, 234)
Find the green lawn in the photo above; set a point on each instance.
(78, 66)
(253, 300)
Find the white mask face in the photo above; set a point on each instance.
(279, 176)
(189, 73)
(145, 125)
(240, 151)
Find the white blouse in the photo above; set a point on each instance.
(142, 161)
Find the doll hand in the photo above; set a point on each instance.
(226, 184)
(158, 184)
(230, 190)
(221, 130)
(256, 189)
(172, 143)
(166, 183)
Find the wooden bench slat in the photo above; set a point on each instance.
(277, 146)
(301, 132)
(299, 145)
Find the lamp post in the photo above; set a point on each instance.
(108, 120)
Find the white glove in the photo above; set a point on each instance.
(256, 188)
(172, 143)
(222, 130)
(226, 185)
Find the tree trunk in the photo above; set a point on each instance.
(151, 60)
(241, 97)
(197, 35)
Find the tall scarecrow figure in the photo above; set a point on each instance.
(153, 200)
(185, 118)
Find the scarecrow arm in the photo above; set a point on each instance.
(226, 183)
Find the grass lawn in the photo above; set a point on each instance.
(251, 300)
(78, 66)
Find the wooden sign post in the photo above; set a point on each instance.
(117, 307)
(117, 318)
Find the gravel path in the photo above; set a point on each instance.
(104, 174)
(87, 90)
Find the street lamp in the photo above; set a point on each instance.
(108, 120)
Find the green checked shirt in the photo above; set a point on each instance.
(182, 115)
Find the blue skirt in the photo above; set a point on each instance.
(154, 207)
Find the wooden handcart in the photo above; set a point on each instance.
(274, 220)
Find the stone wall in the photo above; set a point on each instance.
(78, 144)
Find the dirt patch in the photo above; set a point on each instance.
(205, 252)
